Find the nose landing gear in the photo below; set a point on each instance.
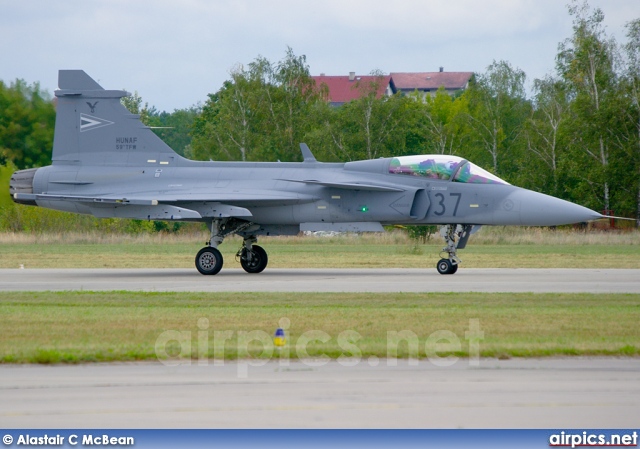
(446, 266)
(456, 237)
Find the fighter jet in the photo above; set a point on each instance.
(107, 163)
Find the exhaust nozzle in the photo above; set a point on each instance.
(22, 182)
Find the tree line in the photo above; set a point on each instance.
(575, 135)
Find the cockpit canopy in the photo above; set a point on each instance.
(444, 167)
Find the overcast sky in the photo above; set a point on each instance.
(176, 52)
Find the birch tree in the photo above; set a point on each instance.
(586, 63)
(498, 110)
(632, 82)
(544, 129)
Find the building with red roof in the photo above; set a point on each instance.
(430, 82)
(343, 89)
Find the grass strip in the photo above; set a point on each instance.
(75, 327)
(319, 254)
(492, 247)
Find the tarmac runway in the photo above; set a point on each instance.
(553, 280)
(533, 393)
(519, 393)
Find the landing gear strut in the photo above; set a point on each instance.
(455, 237)
(253, 258)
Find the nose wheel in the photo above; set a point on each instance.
(445, 266)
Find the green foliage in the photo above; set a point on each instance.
(436, 124)
(586, 64)
(27, 118)
(421, 234)
(262, 113)
(545, 137)
(368, 127)
(498, 110)
(631, 89)
(133, 103)
(20, 218)
(175, 128)
(577, 137)
(5, 177)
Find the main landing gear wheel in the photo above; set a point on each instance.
(253, 260)
(209, 261)
(445, 266)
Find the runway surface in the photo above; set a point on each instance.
(327, 280)
(545, 393)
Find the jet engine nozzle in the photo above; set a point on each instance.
(22, 182)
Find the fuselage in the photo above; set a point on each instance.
(294, 193)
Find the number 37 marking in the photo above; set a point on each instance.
(442, 208)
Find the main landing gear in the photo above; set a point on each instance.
(456, 237)
(209, 260)
(253, 258)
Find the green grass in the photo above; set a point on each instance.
(491, 248)
(84, 327)
(74, 327)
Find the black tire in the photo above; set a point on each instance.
(444, 266)
(258, 261)
(209, 261)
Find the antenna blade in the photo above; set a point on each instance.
(307, 155)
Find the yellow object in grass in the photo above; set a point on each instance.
(279, 339)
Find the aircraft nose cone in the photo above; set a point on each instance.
(538, 209)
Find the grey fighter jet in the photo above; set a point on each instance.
(107, 163)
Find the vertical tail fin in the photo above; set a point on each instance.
(93, 127)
